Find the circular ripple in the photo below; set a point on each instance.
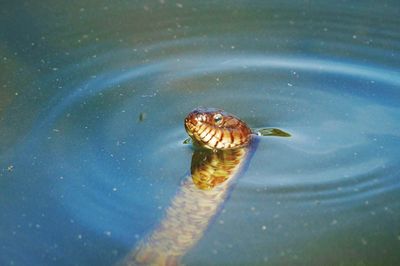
(104, 155)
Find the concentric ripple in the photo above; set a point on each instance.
(93, 135)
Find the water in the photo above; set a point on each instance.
(92, 101)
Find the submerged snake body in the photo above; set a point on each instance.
(226, 140)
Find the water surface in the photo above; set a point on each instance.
(92, 100)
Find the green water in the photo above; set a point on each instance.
(92, 101)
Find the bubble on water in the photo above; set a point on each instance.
(263, 228)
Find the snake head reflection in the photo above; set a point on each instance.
(209, 169)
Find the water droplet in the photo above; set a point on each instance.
(263, 228)
(363, 241)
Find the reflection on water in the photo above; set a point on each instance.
(198, 200)
(272, 132)
(92, 99)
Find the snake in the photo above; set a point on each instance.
(223, 146)
(216, 129)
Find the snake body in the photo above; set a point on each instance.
(224, 143)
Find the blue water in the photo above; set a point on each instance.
(92, 101)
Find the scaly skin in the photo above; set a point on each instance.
(226, 139)
(217, 130)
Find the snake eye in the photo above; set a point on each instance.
(217, 118)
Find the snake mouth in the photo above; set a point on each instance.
(190, 125)
(195, 123)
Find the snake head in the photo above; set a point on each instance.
(216, 129)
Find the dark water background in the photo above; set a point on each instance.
(92, 100)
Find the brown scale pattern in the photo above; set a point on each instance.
(202, 193)
(217, 130)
